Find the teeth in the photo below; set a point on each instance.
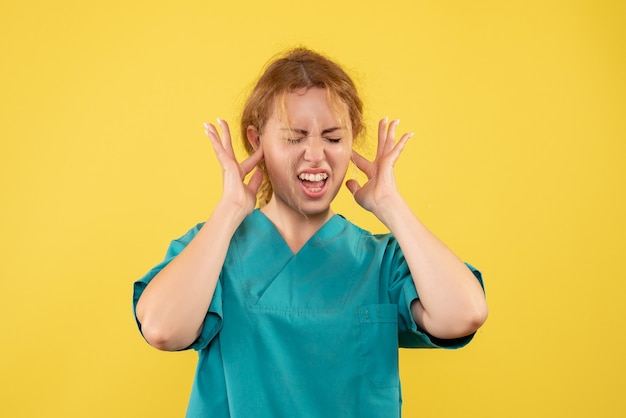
(313, 177)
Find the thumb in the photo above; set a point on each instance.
(255, 180)
(353, 186)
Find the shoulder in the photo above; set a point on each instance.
(252, 227)
(178, 244)
(190, 234)
(365, 237)
(357, 230)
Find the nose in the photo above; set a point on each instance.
(314, 150)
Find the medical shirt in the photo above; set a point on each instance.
(311, 334)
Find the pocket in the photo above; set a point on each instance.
(378, 325)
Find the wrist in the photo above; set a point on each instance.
(230, 213)
(391, 210)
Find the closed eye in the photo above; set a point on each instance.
(333, 140)
(298, 140)
(305, 134)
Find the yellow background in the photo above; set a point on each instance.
(518, 163)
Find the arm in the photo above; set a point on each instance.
(173, 306)
(451, 302)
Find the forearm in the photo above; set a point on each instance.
(451, 301)
(173, 306)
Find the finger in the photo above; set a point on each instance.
(217, 140)
(398, 148)
(255, 181)
(207, 128)
(361, 162)
(390, 138)
(213, 134)
(226, 139)
(382, 133)
(353, 186)
(252, 161)
(216, 143)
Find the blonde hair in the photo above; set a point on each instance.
(297, 69)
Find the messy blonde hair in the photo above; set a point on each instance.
(298, 69)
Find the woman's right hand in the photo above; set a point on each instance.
(174, 304)
(235, 191)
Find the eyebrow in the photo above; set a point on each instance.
(306, 133)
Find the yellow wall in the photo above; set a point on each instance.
(518, 163)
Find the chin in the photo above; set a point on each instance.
(309, 206)
(313, 210)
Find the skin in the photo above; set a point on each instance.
(172, 307)
(314, 142)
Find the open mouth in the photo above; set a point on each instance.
(313, 183)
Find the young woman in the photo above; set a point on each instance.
(294, 310)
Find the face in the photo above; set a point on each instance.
(307, 152)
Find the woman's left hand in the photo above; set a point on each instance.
(381, 183)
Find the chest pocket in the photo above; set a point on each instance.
(378, 325)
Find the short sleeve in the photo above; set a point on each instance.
(402, 291)
(213, 320)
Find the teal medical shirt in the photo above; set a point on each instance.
(312, 334)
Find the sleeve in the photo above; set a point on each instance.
(213, 321)
(402, 291)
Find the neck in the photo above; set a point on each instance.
(295, 227)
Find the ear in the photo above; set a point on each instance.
(254, 137)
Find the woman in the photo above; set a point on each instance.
(295, 311)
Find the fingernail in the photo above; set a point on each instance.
(219, 121)
(206, 125)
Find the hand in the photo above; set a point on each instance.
(381, 184)
(235, 190)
